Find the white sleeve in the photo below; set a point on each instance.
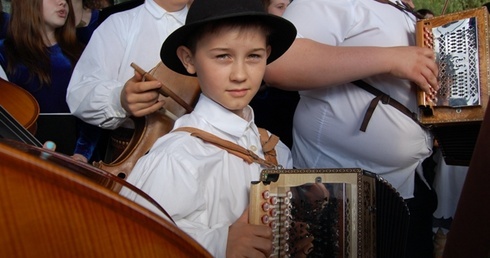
(95, 87)
(171, 181)
(3, 75)
(325, 21)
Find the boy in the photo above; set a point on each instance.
(227, 45)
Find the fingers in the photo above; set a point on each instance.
(246, 240)
(418, 65)
(140, 98)
(79, 157)
(427, 75)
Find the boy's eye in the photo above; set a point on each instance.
(222, 56)
(255, 56)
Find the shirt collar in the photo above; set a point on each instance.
(158, 12)
(224, 120)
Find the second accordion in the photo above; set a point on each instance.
(460, 44)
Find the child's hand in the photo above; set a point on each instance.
(246, 240)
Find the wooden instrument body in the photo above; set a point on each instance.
(49, 210)
(20, 104)
(456, 126)
(354, 219)
(151, 127)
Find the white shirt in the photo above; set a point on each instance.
(135, 36)
(326, 124)
(203, 187)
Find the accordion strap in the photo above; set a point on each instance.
(268, 144)
(385, 99)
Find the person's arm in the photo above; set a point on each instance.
(104, 89)
(309, 65)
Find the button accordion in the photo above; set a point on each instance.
(330, 213)
(460, 43)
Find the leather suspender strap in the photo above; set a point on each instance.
(268, 145)
(237, 150)
(385, 99)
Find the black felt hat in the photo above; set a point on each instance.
(282, 34)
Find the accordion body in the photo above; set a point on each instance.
(460, 43)
(330, 213)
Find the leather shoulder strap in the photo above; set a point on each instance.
(268, 145)
(235, 149)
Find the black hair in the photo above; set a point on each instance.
(424, 12)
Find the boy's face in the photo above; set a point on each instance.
(230, 64)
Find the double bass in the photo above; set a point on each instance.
(54, 206)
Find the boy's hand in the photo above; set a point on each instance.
(140, 98)
(246, 240)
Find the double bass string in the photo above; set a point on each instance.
(11, 127)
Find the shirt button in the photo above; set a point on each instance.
(253, 148)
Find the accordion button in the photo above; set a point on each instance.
(286, 224)
(266, 195)
(265, 219)
(273, 225)
(286, 236)
(273, 213)
(265, 206)
(273, 200)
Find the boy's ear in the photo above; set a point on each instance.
(185, 56)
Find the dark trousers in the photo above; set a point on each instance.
(422, 206)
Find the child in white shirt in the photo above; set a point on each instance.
(204, 188)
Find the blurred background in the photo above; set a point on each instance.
(452, 5)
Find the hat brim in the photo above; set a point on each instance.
(282, 36)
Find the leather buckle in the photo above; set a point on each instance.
(385, 99)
